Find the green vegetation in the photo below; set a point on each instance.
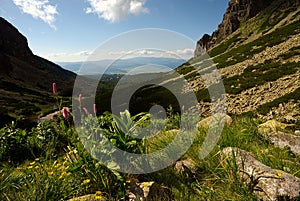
(266, 108)
(258, 75)
(221, 48)
(50, 163)
(274, 18)
(243, 52)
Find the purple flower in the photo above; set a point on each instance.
(95, 109)
(65, 112)
(80, 99)
(54, 88)
(85, 111)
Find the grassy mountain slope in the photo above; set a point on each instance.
(26, 79)
(258, 63)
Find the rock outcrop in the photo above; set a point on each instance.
(214, 120)
(238, 11)
(273, 131)
(267, 183)
(151, 191)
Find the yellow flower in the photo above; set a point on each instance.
(30, 167)
(32, 163)
(98, 193)
(147, 184)
(62, 175)
(98, 198)
(37, 167)
(50, 173)
(86, 181)
(37, 159)
(57, 165)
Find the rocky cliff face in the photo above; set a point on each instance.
(238, 11)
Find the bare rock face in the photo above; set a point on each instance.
(267, 183)
(238, 11)
(271, 130)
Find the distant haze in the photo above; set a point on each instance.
(123, 66)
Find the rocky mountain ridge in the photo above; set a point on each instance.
(238, 11)
(258, 64)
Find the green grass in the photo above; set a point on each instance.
(221, 48)
(56, 166)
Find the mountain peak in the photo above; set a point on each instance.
(12, 42)
(238, 11)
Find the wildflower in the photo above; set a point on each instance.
(50, 173)
(98, 193)
(37, 159)
(62, 175)
(57, 165)
(86, 181)
(30, 167)
(86, 111)
(32, 163)
(97, 197)
(65, 112)
(80, 99)
(95, 109)
(37, 167)
(54, 88)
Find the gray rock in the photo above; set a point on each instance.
(150, 191)
(267, 183)
(185, 165)
(205, 123)
(271, 130)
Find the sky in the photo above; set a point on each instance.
(71, 30)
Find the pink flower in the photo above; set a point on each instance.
(80, 99)
(95, 109)
(54, 88)
(85, 111)
(65, 112)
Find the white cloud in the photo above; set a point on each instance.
(184, 52)
(116, 10)
(180, 53)
(133, 53)
(68, 57)
(38, 9)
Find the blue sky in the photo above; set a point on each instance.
(69, 30)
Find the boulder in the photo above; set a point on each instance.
(272, 126)
(90, 197)
(271, 130)
(150, 191)
(205, 123)
(185, 165)
(267, 183)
